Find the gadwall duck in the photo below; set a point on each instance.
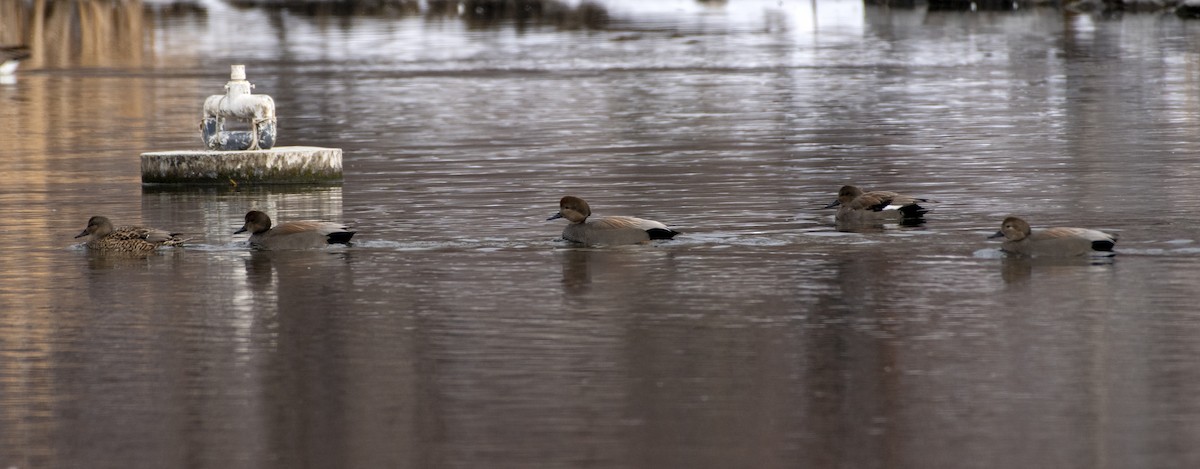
(1053, 242)
(606, 230)
(101, 236)
(293, 234)
(854, 205)
(11, 57)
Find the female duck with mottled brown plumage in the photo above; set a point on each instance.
(102, 236)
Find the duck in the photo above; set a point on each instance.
(102, 236)
(610, 230)
(1020, 239)
(11, 57)
(855, 205)
(294, 234)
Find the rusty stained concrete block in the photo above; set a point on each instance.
(279, 165)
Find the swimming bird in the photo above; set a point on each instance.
(294, 234)
(606, 230)
(10, 58)
(101, 236)
(854, 205)
(1053, 242)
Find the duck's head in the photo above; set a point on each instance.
(256, 222)
(97, 226)
(1013, 229)
(572, 208)
(845, 195)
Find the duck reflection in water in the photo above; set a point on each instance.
(298, 280)
(1021, 269)
(624, 271)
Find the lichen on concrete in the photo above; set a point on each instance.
(279, 165)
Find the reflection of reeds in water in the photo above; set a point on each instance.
(477, 13)
(12, 29)
(106, 33)
(90, 33)
(892, 3)
(972, 5)
(337, 8)
(487, 13)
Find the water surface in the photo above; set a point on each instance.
(458, 331)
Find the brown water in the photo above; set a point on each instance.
(458, 332)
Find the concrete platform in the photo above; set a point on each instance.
(279, 165)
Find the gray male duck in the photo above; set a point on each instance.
(610, 230)
(294, 234)
(1061, 241)
(858, 206)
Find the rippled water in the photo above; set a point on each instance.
(459, 332)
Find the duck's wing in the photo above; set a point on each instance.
(150, 235)
(655, 229)
(1081, 233)
(135, 232)
(872, 201)
(620, 222)
(878, 201)
(322, 227)
(1095, 240)
(335, 232)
